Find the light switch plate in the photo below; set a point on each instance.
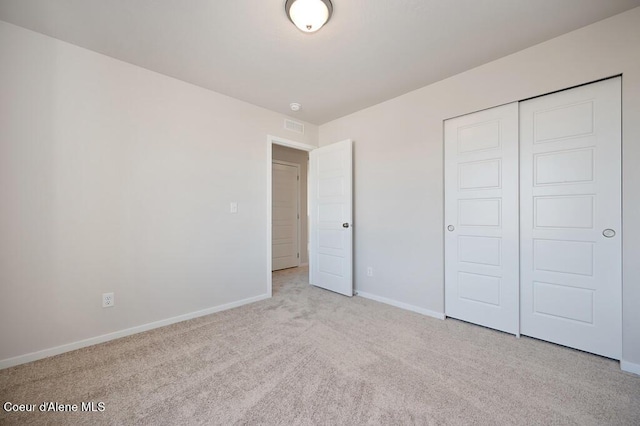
(233, 208)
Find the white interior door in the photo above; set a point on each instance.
(285, 215)
(330, 214)
(571, 218)
(481, 218)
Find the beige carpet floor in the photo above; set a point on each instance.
(308, 356)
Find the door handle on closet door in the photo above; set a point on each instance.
(609, 233)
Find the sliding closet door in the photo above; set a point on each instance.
(481, 218)
(571, 218)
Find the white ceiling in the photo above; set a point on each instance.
(370, 51)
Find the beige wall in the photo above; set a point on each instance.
(301, 158)
(399, 160)
(115, 178)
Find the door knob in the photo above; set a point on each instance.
(609, 233)
(345, 225)
(451, 228)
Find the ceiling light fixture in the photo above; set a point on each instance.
(309, 15)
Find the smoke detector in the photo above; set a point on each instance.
(295, 107)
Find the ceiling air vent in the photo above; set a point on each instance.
(294, 126)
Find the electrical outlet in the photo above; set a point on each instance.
(108, 300)
(369, 271)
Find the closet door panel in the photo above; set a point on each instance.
(481, 218)
(570, 176)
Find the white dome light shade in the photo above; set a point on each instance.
(309, 15)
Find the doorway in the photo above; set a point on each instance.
(330, 222)
(286, 151)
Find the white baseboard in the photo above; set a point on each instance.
(630, 367)
(401, 305)
(34, 356)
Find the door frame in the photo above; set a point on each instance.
(276, 140)
(297, 167)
